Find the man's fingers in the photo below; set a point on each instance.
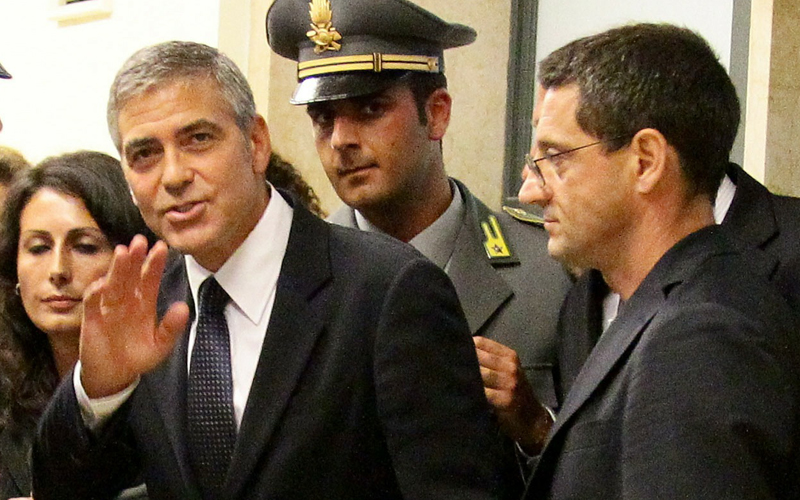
(488, 345)
(151, 272)
(173, 324)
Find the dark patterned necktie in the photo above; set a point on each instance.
(209, 403)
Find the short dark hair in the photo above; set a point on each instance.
(422, 85)
(656, 76)
(27, 370)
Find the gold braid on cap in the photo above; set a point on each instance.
(324, 36)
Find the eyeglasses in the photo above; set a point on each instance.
(533, 163)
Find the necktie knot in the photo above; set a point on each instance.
(212, 297)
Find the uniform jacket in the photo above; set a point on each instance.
(512, 301)
(692, 392)
(366, 386)
(759, 219)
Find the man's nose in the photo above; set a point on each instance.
(532, 190)
(177, 173)
(345, 132)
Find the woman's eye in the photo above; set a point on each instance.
(87, 248)
(37, 249)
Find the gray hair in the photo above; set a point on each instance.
(171, 61)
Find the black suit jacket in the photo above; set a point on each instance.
(692, 392)
(760, 220)
(367, 387)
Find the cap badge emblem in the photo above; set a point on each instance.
(324, 36)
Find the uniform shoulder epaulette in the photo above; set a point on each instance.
(524, 215)
(498, 248)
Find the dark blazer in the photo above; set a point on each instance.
(366, 387)
(512, 301)
(759, 219)
(692, 392)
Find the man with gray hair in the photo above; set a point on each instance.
(693, 391)
(311, 360)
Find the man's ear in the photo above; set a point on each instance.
(652, 154)
(260, 144)
(437, 110)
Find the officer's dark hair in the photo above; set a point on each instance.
(656, 76)
(422, 85)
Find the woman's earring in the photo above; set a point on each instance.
(16, 289)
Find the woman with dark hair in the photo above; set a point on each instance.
(61, 222)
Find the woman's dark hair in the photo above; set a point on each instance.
(28, 374)
(282, 174)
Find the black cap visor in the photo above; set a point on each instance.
(343, 86)
(4, 73)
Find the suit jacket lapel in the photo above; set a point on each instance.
(292, 333)
(168, 382)
(612, 347)
(476, 281)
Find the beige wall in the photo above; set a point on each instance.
(474, 144)
(772, 140)
(782, 167)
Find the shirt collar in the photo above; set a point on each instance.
(722, 203)
(253, 269)
(437, 241)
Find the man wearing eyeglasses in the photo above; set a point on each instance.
(693, 391)
(374, 85)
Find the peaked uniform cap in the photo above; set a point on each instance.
(345, 47)
(4, 73)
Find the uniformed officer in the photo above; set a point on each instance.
(371, 73)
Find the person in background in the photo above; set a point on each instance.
(374, 85)
(11, 164)
(63, 219)
(283, 175)
(319, 361)
(693, 391)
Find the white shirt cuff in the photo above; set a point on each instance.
(95, 412)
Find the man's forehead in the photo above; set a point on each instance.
(555, 112)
